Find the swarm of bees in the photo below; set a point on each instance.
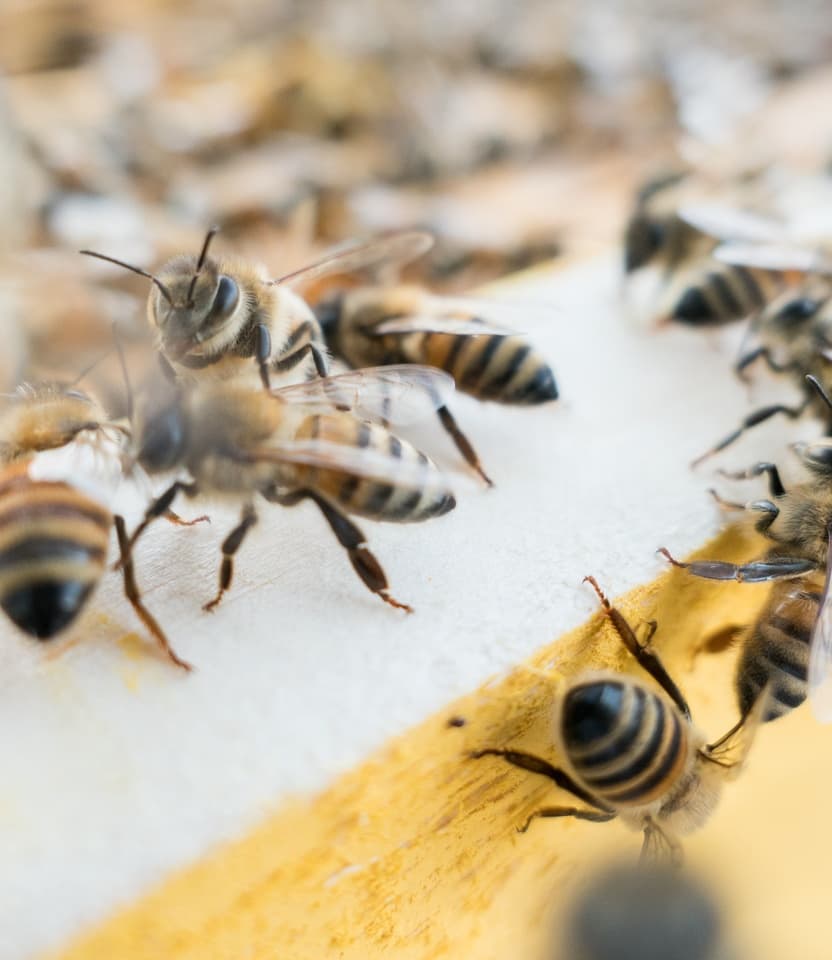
(244, 407)
(630, 751)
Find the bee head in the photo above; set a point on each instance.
(193, 303)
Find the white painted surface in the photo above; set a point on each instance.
(118, 769)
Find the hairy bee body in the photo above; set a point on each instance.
(776, 651)
(53, 549)
(634, 751)
(247, 420)
(44, 416)
(217, 337)
(500, 368)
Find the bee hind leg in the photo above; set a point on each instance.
(463, 444)
(351, 539)
(758, 571)
(230, 546)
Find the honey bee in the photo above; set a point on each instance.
(47, 415)
(216, 318)
(54, 537)
(293, 445)
(400, 324)
(789, 648)
(633, 753)
(644, 912)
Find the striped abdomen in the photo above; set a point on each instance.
(53, 548)
(405, 502)
(626, 745)
(777, 651)
(489, 367)
(719, 293)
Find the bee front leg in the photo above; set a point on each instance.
(759, 571)
(775, 484)
(230, 546)
(752, 420)
(159, 508)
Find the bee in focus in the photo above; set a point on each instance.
(789, 648)
(309, 441)
(400, 324)
(55, 522)
(645, 912)
(633, 753)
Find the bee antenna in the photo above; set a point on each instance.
(128, 266)
(200, 263)
(820, 390)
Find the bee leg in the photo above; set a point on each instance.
(172, 517)
(724, 504)
(297, 353)
(230, 546)
(158, 508)
(752, 420)
(775, 484)
(577, 813)
(263, 351)
(648, 660)
(131, 591)
(351, 539)
(527, 761)
(759, 571)
(764, 353)
(463, 444)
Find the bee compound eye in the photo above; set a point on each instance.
(796, 312)
(162, 441)
(225, 300)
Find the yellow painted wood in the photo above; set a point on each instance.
(414, 854)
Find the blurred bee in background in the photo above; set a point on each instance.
(292, 445)
(788, 650)
(644, 913)
(635, 754)
(398, 324)
(792, 335)
(55, 520)
(675, 230)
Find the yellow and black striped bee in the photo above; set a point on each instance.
(789, 648)
(54, 536)
(644, 912)
(633, 753)
(294, 445)
(225, 319)
(400, 324)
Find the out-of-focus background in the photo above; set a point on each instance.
(516, 131)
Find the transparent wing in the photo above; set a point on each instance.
(357, 461)
(820, 653)
(438, 323)
(91, 463)
(731, 750)
(724, 222)
(774, 256)
(400, 394)
(392, 247)
(659, 847)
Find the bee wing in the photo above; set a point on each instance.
(92, 464)
(399, 394)
(358, 461)
(724, 222)
(392, 247)
(658, 847)
(439, 323)
(731, 750)
(820, 653)
(774, 256)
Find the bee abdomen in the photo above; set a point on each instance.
(410, 501)
(724, 293)
(53, 547)
(625, 743)
(777, 654)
